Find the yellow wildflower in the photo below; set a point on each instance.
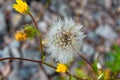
(107, 74)
(21, 7)
(20, 36)
(61, 68)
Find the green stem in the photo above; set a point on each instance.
(37, 61)
(40, 36)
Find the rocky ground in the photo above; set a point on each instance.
(100, 18)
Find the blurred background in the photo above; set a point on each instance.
(100, 18)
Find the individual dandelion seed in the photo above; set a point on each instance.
(64, 40)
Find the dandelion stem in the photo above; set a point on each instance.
(86, 61)
(37, 61)
(40, 36)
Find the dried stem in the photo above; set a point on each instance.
(37, 61)
(40, 36)
(36, 26)
(86, 61)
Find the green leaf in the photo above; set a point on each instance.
(80, 73)
(65, 78)
(31, 31)
(94, 65)
(72, 78)
(113, 62)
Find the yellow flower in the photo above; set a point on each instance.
(61, 68)
(21, 7)
(20, 36)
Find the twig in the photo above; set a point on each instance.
(38, 61)
(40, 36)
(86, 61)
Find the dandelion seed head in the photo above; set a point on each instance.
(64, 40)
